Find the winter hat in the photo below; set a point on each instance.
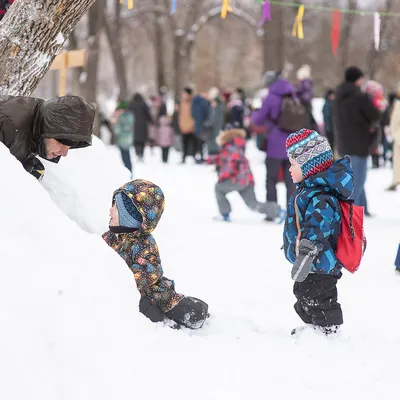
(353, 74)
(270, 77)
(304, 73)
(129, 216)
(213, 93)
(311, 151)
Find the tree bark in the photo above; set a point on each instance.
(31, 35)
(95, 21)
(113, 33)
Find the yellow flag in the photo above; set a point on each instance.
(130, 3)
(226, 7)
(298, 23)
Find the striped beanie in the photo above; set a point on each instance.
(311, 151)
(129, 215)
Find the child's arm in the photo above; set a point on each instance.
(317, 230)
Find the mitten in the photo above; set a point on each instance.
(34, 167)
(303, 264)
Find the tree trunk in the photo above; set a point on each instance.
(95, 21)
(75, 73)
(113, 33)
(274, 41)
(345, 35)
(159, 50)
(375, 58)
(177, 63)
(28, 45)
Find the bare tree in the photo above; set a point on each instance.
(31, 35)
(112, 28)
(375, 58)
(95, 23)
(345, 35)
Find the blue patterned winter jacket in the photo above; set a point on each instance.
(317, 199)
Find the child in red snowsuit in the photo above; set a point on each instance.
(234, 175)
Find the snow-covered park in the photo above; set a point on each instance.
(70, 327)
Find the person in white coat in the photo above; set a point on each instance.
(395, 133)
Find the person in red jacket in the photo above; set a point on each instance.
(234, 174)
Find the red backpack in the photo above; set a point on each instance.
(351, 242)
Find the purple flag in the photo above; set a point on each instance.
(266, 15)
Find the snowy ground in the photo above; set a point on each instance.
(68, 305)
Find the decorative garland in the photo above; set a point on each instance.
(298, 30)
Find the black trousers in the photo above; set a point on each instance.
(189, 145)
(274, 166)
(200, 148)
(165, 154)
(139, 149)
(317, 300)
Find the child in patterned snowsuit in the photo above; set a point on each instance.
(136, 209)
(312, 227)
(234, 174)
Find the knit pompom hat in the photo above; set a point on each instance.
(311, 151)
(129, 216)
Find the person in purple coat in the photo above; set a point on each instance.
(268, 115)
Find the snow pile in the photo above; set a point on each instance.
(82, 184)
(70, 328)
(67, 302)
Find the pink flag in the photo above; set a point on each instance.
(266, 15)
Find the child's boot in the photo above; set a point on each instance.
(189, 312)
(223, 217)
(150, 310)
(397, 261)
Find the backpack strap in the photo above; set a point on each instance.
(297, 224)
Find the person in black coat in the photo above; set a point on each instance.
(327, 111)
(354, 117)
(143, 118)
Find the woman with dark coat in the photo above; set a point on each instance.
(327, 111)
(143, 118)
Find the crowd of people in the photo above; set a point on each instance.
(193, 127)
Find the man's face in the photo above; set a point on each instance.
(55, 149)
(114, 217)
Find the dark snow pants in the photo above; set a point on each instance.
(274, 166)
(317, 300)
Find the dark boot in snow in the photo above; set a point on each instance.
(151, 310)
(325, 330)
(189, 312)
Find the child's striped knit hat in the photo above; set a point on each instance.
(311, 150)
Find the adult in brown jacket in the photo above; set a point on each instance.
(186, 124)
(30, 126)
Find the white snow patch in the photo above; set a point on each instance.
(59, 38)
(70, 328)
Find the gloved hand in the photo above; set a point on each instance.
(34, 167)
(303, 264)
